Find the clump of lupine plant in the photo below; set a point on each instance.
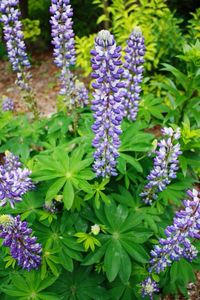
(23, 247)
(13, 35)
(134, 60)
(64, 50)
(7, 104)
(165, 165)
(107, 103)
(14, 180)
(177, 244)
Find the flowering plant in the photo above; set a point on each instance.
(91, 198)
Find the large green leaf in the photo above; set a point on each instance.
(112, 261)
(68, 195)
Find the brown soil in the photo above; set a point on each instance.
(44, 83)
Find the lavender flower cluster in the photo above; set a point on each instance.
(14, 180)
(134, 60)
(165, 165)
(63, 42)
(8, 104)
(177, 244)
(23, 247)
(62, 33)
(13, 35)
(81, 95)
(107, 103)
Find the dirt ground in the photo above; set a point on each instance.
(44, 83)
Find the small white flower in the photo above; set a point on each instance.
(95, 229)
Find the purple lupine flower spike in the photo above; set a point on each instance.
(8, 104)
(177, 244)
(23, 247)
(14, 180)
(134, 60)
(63, 42)
(13, 35)
(62, 33)
(165, 165)
(107, 103)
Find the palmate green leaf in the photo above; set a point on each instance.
(133, 139)
(10, 261)
(96, 191)
(88, 240)
(81, 284)
(30, 286)
(69, 172)
(122, 241)
(57, 244)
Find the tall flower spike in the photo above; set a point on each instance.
(165, 165)
(13, 35)
(23, 247)
(177, 244)
(107, 103)
(64, 49)
(134, 60)
(14, 181)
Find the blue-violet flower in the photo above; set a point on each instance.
(23, 246)
(134, 60)
(149, 287)
(8, 104)
(63, 42)
(14, 180)
(177, 244)
(165, 165)
(107, 103)
(13, 35)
